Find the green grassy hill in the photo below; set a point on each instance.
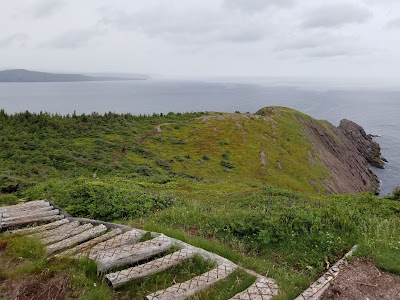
(251, 187)
(272, 147)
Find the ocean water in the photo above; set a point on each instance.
(376, 108)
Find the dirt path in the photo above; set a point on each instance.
(157, 130)
(122, 152)
(360, 279)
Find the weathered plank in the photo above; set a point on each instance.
(129, 254)
(188, 288)
(120, 278)
(129, 237)
(262, 289)
(1, 216)
(25, 206)
(58, 230)
(41, 228)
(32, 220)
(66, 234)
(33, 214)
(89, 244)
(76, 239)
(22, 213)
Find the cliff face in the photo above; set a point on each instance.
(363, 142)
(346, 151)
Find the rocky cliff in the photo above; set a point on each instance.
(346, 151)
(363, 142)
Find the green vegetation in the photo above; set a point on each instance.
(106, 200)
(8, 199)
(237, 185)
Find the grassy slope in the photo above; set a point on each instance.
(228, 149)
(202, 182)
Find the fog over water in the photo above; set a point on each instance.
(376, 109)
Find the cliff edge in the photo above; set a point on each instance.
(346, 151)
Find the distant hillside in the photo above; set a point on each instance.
(21, 75)
(276, 146)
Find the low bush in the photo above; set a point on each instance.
(110, 200)
(227, 164)
(8, 199)
(395, 195)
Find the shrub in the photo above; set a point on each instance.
(205, 157)
(163, 164)
(227, 164)
(395, 194)
(102, 200)
(7, 199)
(179, 158)
(179, 142)
(227, 155)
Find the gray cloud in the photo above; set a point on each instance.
(46, 8)
(317, 45)
(193, 37)
(393, 24)
(244, 36)
(17, 39)
(329, 52)
(381, 2)
(256, 5)
(337, 15)
(199, 27)
(75, 38)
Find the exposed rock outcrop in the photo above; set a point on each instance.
(346, 151)
(363, 142)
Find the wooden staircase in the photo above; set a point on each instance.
(116, 246)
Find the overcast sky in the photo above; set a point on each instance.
(341, 38)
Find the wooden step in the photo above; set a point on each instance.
(129, 237)
(262, 289)
(188, 288)
(120, 278)
(58, 230)
(89, 244)
(22, 213)
(66, 234)
(76, 239)
(25, 206)
(128, 254)
(32, 214)
(31, 220)
(41, 228)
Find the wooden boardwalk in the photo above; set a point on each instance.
(117, 246)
